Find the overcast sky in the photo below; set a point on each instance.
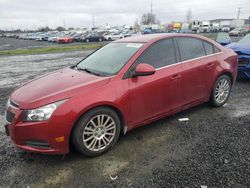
(31, 14)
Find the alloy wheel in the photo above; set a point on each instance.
(222, 91)
(99, 132)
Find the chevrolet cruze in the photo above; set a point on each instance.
(123, 85)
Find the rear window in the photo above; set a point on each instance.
(190, 48)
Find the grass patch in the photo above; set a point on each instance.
(51, 49)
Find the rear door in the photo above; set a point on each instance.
(157, 94)
(197, 68)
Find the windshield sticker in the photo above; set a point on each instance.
(133, 45)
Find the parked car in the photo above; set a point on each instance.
(126, 84)
(237, 32)
(45, 37)
(53, 38)
(65, 39)
(39, 38)
(242, 48)
(185, 31)
(77, 37)
(225, 28)
(223, 38)
(94, 37)
(113, 36)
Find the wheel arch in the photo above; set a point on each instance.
(111, 106)
(226, 72)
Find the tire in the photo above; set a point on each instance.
(100, 39)
(221, 91)
(95, 140)
(87, 40)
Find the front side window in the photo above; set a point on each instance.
(159, 54)
(190, 48)
(109, 59)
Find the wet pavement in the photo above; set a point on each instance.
(211, 149)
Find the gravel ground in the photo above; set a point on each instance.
(211, 149)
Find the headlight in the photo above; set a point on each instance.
(42, 113)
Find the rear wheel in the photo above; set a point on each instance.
(96, 132)
(221, 91)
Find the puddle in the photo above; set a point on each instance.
(241, 111)
(18, 69)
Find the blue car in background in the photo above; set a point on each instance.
(223, 38)
(242, 48)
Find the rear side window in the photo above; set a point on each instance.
(159, 54)
(216, 50)
(190, 48)
(208, 48)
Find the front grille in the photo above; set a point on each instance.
(9, 116)
(15, 105)
(242, 62)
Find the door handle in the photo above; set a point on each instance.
(176, 76)
(209, 65)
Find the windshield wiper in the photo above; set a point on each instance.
(87, 70)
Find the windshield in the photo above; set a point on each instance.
(245, 40)
(110, 59)
(223, 38)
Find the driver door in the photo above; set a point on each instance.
(160, 93)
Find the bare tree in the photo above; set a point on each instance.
(189, 16)
(136, 26)
(60, 28)
(148, 18)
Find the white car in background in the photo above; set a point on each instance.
(39, 38)
(237, 32)
(53, 39)
(113, 36)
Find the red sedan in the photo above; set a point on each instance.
(62, 40)
(125, 84)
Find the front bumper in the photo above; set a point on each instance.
(244, 72)
(41, 137)
(243, 66)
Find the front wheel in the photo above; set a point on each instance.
(96, 132)
(221, 91)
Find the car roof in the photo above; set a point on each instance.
(155, 37)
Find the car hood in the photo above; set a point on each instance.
(59, 85)
(244, 49)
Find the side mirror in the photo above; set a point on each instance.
(143, 70)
